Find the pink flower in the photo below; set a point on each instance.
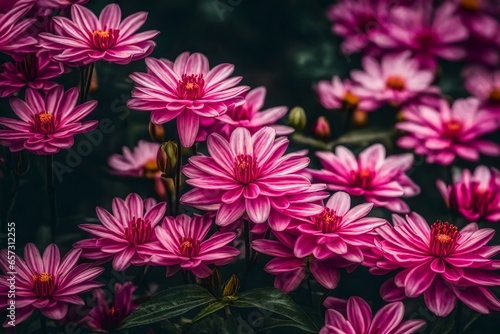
(291, 270)
(59, 4)
(251, 175)
(124, 232)
(86, 39)
(181, 245)
(34, 71)
(13, 37)
(479, 17)
(46, 283)
(248, 115)
(106, 316)
(476, 196)
(338, 230)
(47, 124)
(396, 80)
(440, 262)
(339, 94)
(485, 85)
(428, 34)
(186, 89)
(443, 134)
(382, 181)
(354, 316)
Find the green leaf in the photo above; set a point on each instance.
(167, 304)
(214, 307)
(263, 325)
(272, 300)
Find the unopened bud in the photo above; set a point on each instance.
(94, 82)
(231, 288)
(297, 119)
(156, 132)
(166, 158)
(359, 118)
(22, 162)
(321, 129)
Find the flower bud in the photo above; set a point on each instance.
(231, 288)
(166, 158)
(94, 82)
(297, 119)
(360, 118)
(321, 129)
(156, 132)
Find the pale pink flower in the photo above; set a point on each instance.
(250, 116)
(250, 175)
(47, 123)
(186, 89)
(123, 233)
(443, 134)
(107, 316)
(475, 195)
(338, 94)
(13, 37)
(485, 85)
(396, 79)
(46, 282)
(338, 230)
(380, 179)
(441, 262)
(354, 316)
(86, 39)
(34, 71)
(182, 243)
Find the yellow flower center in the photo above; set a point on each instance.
(45, 117)
(396, 82)
(472, 5)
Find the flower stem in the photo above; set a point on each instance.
(247, 245)
(309, 289)
(43, 323)
(51, 192)
(348, 120)
(178, 178)
(85, 81)
(458, 317)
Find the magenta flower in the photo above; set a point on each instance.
(476, 196)
(251, 175)
(429, 35)
(382, 181)
(46, 283)
(181, 245)
(140, 162)
(186, 89)
(86, 39)
(396, 80)
(485, 85)
(13, 37)
(339, 94)
(479, 17)
(107, 316)
(59, 4)
(291, 270)
(354, 316)
(34, 71)
(47, 124)
(248, 115)
(440, 262)
(338, 230)
(124, 232)
(443, 134)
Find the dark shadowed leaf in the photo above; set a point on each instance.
(214, 307)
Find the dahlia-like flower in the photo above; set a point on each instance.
(251, 175)
(187, 90)
(354, 316)
(479, 17)
(382, 181)
(443, 134)
(338, 230)
(86, 39)
(396, 79)
(34, 71)
(429, 33)
(46, 283)
(106, 316)
(250, 116)
(181, 244)
(12, 28)
(485, 85)
(47, 123)
(291, 270)
(338, 94)
(441, 262)
(124, 232)
(475, 195)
